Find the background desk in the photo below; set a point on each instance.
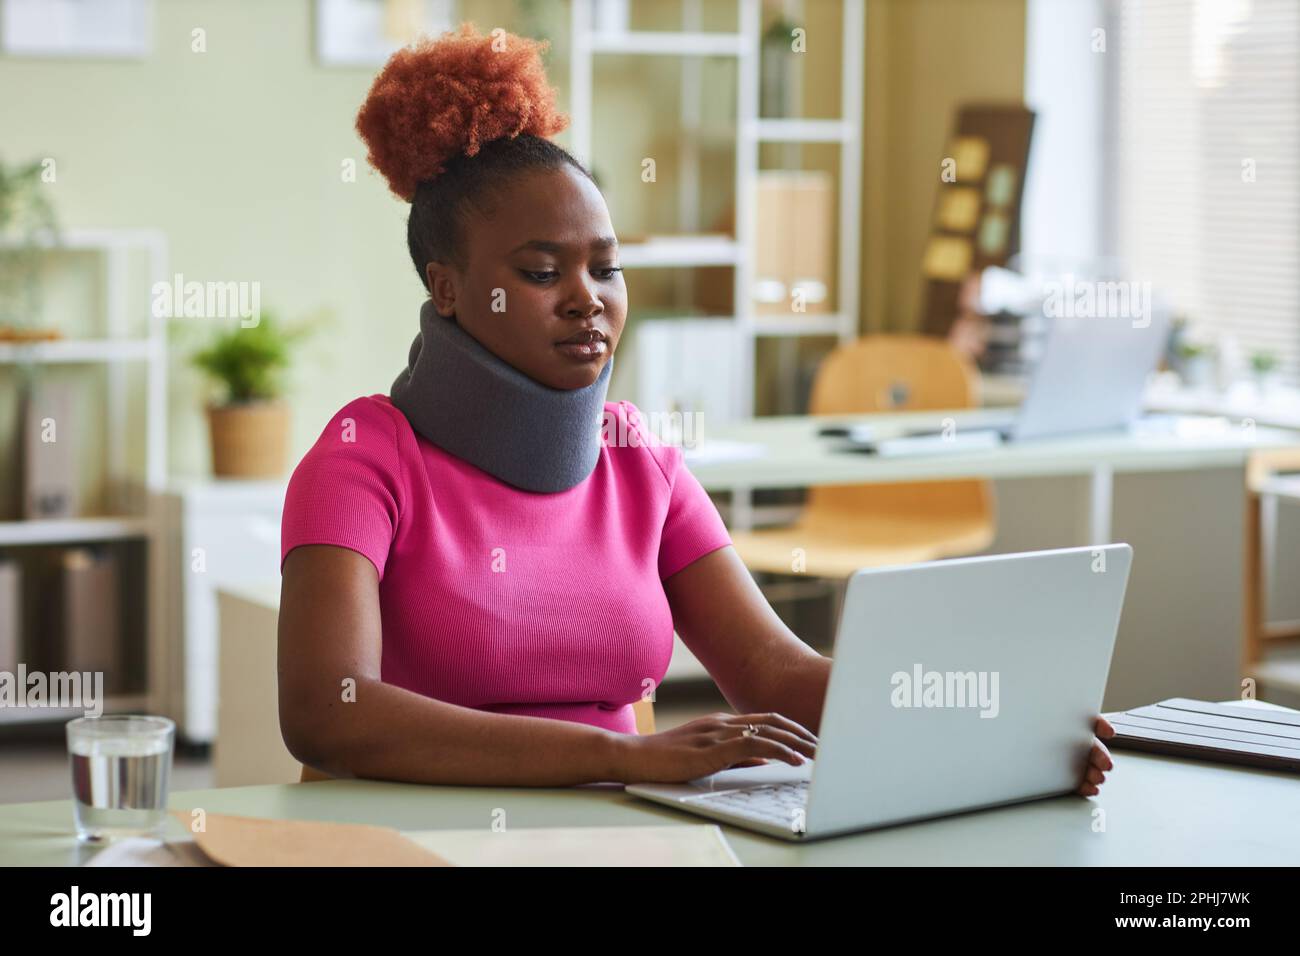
(1157, 811)
(1179, 499)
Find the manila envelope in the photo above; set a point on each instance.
(251, 841)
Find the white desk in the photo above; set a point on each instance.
(1177, 497)
(1278, 407)
(1152, 811)
(793, 455)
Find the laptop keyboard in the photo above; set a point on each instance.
(770, 803)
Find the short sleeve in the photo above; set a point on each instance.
(692, 527)
(347, 491)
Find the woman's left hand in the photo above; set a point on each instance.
(1099, 761)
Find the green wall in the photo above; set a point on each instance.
(236, 154)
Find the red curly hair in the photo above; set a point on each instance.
(446, 96)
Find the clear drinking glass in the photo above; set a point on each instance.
(120, 768)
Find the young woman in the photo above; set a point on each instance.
(482, 570)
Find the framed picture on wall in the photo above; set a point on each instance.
(76, 28)
(366, 32)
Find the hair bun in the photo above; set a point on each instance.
(445, 96)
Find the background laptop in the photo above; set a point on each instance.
(890, 750)
(1091, 377)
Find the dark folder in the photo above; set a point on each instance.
(1255, 736)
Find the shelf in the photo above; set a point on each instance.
(92, 239)
(61, 530)
(123, 335)
(796, 324)
(820, 323)
(747, 131)
(668, 44)
(679, 251)
(78, 350)
(802, 131)
(113, 704)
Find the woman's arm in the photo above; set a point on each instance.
(756, 661)
(330, 631)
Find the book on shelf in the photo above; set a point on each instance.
(90, 625)
(10, 614)
(49, 438)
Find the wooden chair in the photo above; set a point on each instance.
(846, 527)
(645, 724)
(1260, 467)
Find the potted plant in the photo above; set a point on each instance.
(1263, 366)
(1196, 363)
(249, 426)
(27, 224)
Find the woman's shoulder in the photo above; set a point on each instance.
(368, 428)
(625, 426)
(352, 487)
(371, 408)
(375, 412)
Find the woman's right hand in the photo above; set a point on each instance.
(716, 742)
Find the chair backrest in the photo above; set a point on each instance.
(645, 724)
(895, 373)
(884, 373)
(1262, 465)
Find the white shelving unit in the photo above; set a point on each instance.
(691, 251)
(694, 250)
(134, 495)
(236, 524)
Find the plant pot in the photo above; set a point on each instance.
(1198, 372)
(249, 439)
(1267, 383)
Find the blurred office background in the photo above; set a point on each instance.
(910, 168)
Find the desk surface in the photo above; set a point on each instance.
(789, 453)
(1271, 406)
(1158, 810)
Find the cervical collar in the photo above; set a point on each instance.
(468, 402)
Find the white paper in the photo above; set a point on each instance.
(686, 845)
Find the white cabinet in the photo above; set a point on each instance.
(218, 534)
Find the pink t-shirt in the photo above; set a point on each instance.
(547, 605)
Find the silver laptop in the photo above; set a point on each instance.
(957, 685)
(1091, 378)
(1092, 375)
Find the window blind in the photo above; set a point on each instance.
(1206, 163)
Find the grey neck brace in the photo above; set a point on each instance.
(474, 405)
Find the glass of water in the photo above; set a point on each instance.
(120, 767)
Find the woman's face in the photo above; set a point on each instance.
(541, 288)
